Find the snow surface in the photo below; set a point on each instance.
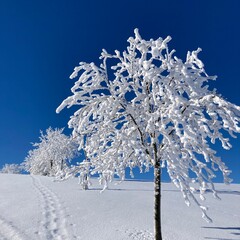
(35, 207)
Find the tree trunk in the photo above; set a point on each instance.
(157, 196)
(85, 185)
(61, 164)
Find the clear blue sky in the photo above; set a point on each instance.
(42, 41)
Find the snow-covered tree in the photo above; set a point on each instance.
(81, 170)
(11, 168)
(145, 108)
(52, 154)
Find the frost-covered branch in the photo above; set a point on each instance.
(144, 108)
(51, 155)
(11, 168)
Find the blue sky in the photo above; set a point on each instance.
(42, 41)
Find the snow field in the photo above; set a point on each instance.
(34, 207)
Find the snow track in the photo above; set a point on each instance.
(9, 232)
(138, 234)
(53, 225)
(36, 208)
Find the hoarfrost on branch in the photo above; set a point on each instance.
(52, 154)
(146, 97)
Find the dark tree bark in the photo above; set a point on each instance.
(85, 186)
(61, 164)
(157, 197)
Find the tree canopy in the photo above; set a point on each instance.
(145, 107)
(51, 155)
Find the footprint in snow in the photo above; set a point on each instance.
(53, 225)
(138, 234)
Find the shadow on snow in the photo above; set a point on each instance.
(225, 228)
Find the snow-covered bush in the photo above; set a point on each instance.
(11, 168)
(146, 108)
(52, 154)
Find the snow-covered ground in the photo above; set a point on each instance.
(34, 207)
